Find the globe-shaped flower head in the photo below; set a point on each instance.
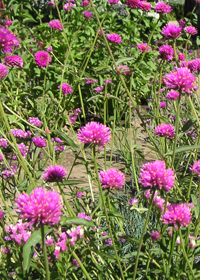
(41, 206)
(3, 71)
(134, 4)
(171, 31)
(42, 58)
(7, 40)
(114, 38)
(155, 175)
(54, 173)
(94, 133)
(14, 61)
(165, 130)
(55, 24)
(190, 30)
(163, 8)
(112, 179)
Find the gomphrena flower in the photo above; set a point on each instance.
(56, 24)
(19, 232)
(19, 133)
(1, 214)
(193, 65)
(49, 49)
(163, 104)
(98, 89)
(112, 179)
(181, 56)
(143, 47)
(51, 3)
(14, 61)
(181, 79)
(196, 167)
(42, 58)
(155, 235)
(172, 94)
(39, 142)
(124, 70)
(35, 121)
(94, 133)
(84, 216)
(3, 71)
(177, 214)
(166, 130)
(163, 8)
(166, 52)
(154, 174)
(87, 14)
(68, 6)
(66, 89)
(182, 22)
(114, 38)
(171, 31)
(190, 30)
(113, 2)
(40, 207)
(7, 40)
(54, 173)
(85, 3)
(145, 6)
(3, 143)
(134, 4)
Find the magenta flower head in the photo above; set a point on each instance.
(171, 31)
(85, 3)
(165, 130)
(51, 3)
(191, 30)
(3, 71)
(7, 40)
(112, 179)
(182, 22)
(42, 58)
(155, 235)
(181, 79)
(3, 143)
(181, 56)
(39, 142)
(54, 173)
(68, 6)
(87, 14)
(19, 133)
(49, 49)
(8, 23)
(145, 6)
(134, 4)
(163, 8)
(173, 95)
(114, 38)
(66, 89)
(1, 214)
(166, 52)
(196, 167)
(177, 214)
(56, 24)
(14, 61)
(163, 104)
(94, 133)
(113, 2)
(40, 207)
(143, 47)
(35, 121)
(124, 70)
(154, 174)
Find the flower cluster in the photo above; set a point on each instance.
(114, 38)
(123, 69)
(94, 133)
(171, 31)
(195, 168)
(98, 89)
(84, 216)
(74, 115)
(3, 71)
(193, 65)
(68, 6)
(172, 94)
(166, 52)
(85, 3)
(19, 133)
(23, 150)
(177, 214)
(41, 206)
(14, 61)
(7, 40)
(90, 81)
(39, 142)
(112, 178)
(145, 6)
(56, 24)
(155, 235)
(42, 59)
(157, 200)
(154, 174)
(134, 4)
(66, 88)
(191, 30)
(3, 143)
(163, 8)
(9, 172)
(87, 14)
(143, 47)
(54, 173)
(20, 233)
(35, 121)
(166, 130)
(181, 79)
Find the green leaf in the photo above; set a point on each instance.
(95, 97)
(123, 59)
(72, 182)
(183, 149)
(27, 249)
(67, 140)
(77, 221)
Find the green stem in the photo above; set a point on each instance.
(81, 266)
(82, 105)
(176, 129)
(45, 252)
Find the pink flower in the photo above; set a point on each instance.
(114, 38)
(166, 52)
(3, 143)
(133, 201)
(181, 56)
(123, 69)
(171, 31)
(98, 89)
(14, 61)
(181, 79)
(8, 23)
(190, 30)
(42, 58)
(177, 214)
(155, 235)
(83, 216)
(35, 121)
(68, 6)
(113, 2)
(143, 47)
(66, 89)
(182, 23)
(193, 65)
(145, 6)
(173, 95)
(166, 130)
(1, 214)
(112, 179)
(54, 173)
(163, 104)
(94, 133)
(51, 3)
(49, 49)
(23, 150)
(196, 167)
(39, 142)
(7, 40)
(56, 24)
(3, 71)
(19, 133)
(154, 174)
(87, 14)
(85, 3)
(162, 8)
(9, 172)
(134, 4)
(90, 81)
(41, 206)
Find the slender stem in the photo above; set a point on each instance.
(142, 236)
(81, 266)
(176, 129)
(45, 252)
(69, 209)
(82, 104)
